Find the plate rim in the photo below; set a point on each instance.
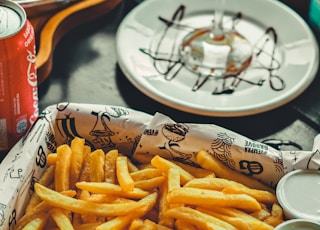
(227, 112)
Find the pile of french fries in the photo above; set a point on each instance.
(85, 189)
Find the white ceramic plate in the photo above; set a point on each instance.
(147, 49)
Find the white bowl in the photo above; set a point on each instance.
(298, 193)
(301, 224)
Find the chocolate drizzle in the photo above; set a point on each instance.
(169, 63)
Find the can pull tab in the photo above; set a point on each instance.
(3, 22)
(10, 21)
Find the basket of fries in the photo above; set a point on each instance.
(87, 166)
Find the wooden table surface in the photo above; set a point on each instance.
(85, 70)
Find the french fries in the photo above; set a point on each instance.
(121, 222)
(238, 218)
(205, 160)
(61, 219)
(108, 188)
(97, 165)
(77, 148)
(164, 165)
(84, 189)
(56, 199)
(110, 166)
(37, 223)
(204, 197)
(61, 177)
(199, 219)
(125, 180)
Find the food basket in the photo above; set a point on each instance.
(134, 133)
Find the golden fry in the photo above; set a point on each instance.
(164, 206)
(146, 224)
(205, 160)
(146, 173)
(261, 214)
(32, 214)
(237, 218)
(108, 188)
(52, 158)
(136, 224)
(87, 226)
(149, 225)
(131, 166)
(110, 166)
(84, 207)
(276, 217)
(83, 218)
(38, 223)
(205, 198)
(102, 198)
(61, 219)
(97, 166)
(212, 183)
(69, 193)
(61, 176)
(77, 145)
(123, 175)
(85, 171)
(149, 184)
(164, 166)
(259, 195)
(86, 151)
(184, 225)
(121, 222)
(173, 179)
(39, 209)
(199, 219)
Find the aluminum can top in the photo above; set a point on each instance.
(12, 18)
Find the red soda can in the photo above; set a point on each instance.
(18, 76)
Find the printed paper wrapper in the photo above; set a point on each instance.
(135, 134)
